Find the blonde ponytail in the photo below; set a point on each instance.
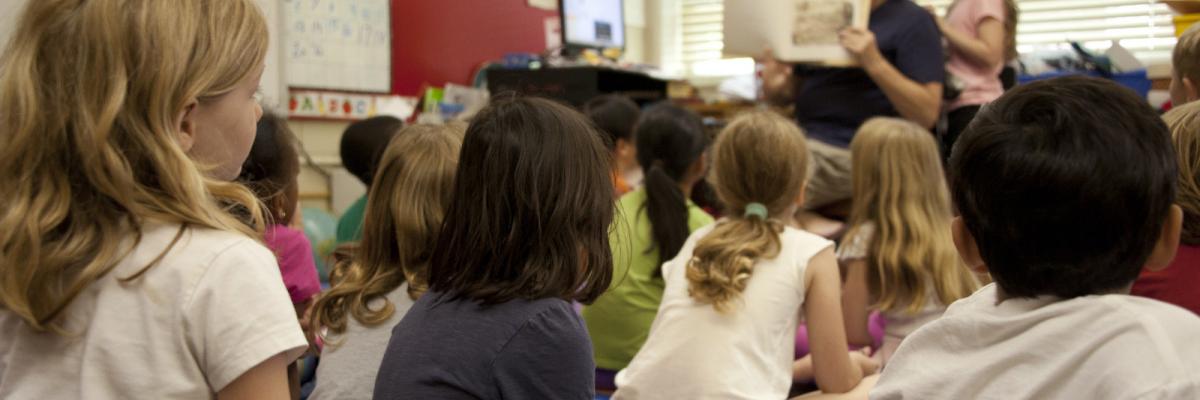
(759, 168)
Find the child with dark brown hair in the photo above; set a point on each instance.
(526, 233)
(271, 171)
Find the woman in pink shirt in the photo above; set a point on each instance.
(981, 37)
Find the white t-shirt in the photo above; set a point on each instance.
(899, 324)
(694, 352)
(213, 308)
(350, 361)
(1094, 347)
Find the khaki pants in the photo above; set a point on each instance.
(829, 175)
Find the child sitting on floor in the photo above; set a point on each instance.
(734, 295)
(1065, 188)
(898, 257)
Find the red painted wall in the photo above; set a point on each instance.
(440, 41)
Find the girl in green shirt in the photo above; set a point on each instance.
(651, 225)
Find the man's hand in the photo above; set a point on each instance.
(861, 44)
(778, 82)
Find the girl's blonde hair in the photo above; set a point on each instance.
(405, 208)
(760, 158)
(91, 93)
(1184, 122)
(899, 186)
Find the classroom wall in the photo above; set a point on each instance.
(434, 42)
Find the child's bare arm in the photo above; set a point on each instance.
(856, 301)
(268, 380)
(833, 369)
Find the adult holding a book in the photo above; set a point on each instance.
(899, 73)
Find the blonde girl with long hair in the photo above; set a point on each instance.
(389, 269)
(898, 256)
(123, 273)
(735, 293)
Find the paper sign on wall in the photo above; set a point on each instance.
(544, 4)
(348, 106)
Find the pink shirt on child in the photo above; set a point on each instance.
(981, 84)
(295, 257)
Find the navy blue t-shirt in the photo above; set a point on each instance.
(831, 103)
(448, 348)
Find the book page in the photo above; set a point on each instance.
(799, 31)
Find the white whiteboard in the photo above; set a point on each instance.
(338, 44)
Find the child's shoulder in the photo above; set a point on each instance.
(191, 252)
(1177, 325)
(195, 243)
(795, 238)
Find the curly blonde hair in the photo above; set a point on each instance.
(405, 208)
(90, 93)
(762, 158)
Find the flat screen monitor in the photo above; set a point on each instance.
(595, 24)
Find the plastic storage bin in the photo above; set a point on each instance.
(1134, 80)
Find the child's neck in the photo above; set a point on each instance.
(1001, 296)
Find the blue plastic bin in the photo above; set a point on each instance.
(1135, 80)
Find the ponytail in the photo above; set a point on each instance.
(667, 210)
(760, 163)
(669, 140)
(722, 263)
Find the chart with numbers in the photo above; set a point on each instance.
(338, 44)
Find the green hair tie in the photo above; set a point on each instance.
(756, 210)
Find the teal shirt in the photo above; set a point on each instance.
(619, 321)
(349, 227)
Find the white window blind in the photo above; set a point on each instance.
(1142, 26)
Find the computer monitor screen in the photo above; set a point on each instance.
(593, 23)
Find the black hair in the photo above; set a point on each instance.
(530, 210)
(615, 115)
(363, 143)
(271, 168)
(1065, 185)
(669, 140)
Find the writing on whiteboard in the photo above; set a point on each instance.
(339, 44)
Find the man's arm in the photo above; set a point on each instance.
(917, 102)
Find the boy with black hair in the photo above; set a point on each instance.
(362, 144)
(1065, 188)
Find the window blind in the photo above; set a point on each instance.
(1142, 26)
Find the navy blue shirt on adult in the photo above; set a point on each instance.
(447, 348)
(831, 103)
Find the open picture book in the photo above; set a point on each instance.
(798, 31)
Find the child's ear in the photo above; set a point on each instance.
(1168, 240)
(803, 193)
(186, 125)
(1190, 89)
(968, 250)
(699, 166)
(624, 148)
